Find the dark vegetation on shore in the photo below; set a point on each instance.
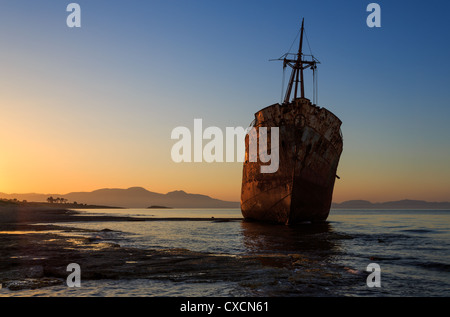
(53, 203)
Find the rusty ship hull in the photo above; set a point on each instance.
(310, 146)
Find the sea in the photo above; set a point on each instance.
(410, 248)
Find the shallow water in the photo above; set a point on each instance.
(412, 248)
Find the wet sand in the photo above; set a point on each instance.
(35, 255)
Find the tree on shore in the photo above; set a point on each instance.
(57, 200)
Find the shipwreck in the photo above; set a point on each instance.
(310, 146)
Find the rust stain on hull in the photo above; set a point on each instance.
(310, 148)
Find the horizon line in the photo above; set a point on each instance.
(181, 190)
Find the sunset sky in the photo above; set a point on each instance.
(93, 107)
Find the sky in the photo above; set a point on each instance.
(93, 107)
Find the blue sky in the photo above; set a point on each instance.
(137, 69)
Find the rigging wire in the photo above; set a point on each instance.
(314, 68)
(284, 67)
(315, 74)
(314, 85)
(282, 85)
(298, 34)
(307, 41)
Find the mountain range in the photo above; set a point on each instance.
(399, 204)
(138, 197)
(134, 197)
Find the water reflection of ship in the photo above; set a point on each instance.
(263, 238)
(303, 259)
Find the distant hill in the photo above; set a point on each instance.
(400, 204)
(138, 197)
(134, 197)
(14, 202)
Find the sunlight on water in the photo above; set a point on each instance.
(166, 213)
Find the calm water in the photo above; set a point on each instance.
(411, 247)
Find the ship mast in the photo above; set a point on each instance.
(298, 65)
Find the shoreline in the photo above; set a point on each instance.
(13, 215)
(36, 246)
(35, 253)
